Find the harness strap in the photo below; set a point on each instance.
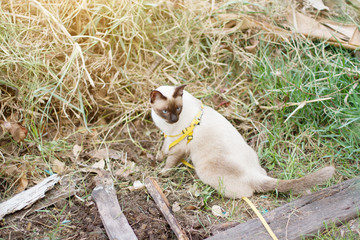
(187, 132)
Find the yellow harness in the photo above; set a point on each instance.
(187, 132)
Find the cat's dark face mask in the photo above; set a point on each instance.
(168, 108)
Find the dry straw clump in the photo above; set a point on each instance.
(94, 61)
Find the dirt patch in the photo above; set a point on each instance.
(67, 219)
(76, 219)
(148, 222)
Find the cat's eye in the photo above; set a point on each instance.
(178, 109)
(165, 111)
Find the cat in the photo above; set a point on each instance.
(220, 155)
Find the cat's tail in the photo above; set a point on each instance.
(296, 185)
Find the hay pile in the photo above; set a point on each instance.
(94, 62)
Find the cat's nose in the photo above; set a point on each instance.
(173, 118)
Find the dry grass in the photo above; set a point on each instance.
(88, 62)
(79, 73)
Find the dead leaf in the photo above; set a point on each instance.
(17, 131)
(22, 183)
(138, 185)
(58, 166)
(219, 211)
(355, 39)
(347, 30)
(219, 101)
(309, 26)
(10, 170)
(105, 153)
(175, 207)
(123, 173)
(76, 150)
(335, 33)
(190, 207)
(100, 164)
(126, 170)
(317, 4)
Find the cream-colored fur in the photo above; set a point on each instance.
(220, 155)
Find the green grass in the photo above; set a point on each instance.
(347, 231)
(320, 133)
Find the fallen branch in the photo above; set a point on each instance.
(26, 198)
(164, 206)
(115, 223)
(65, 188)
(305, 216)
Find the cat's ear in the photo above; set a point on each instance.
(154, 95)
(179, 91)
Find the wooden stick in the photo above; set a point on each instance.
(26, 198)
(115, 223)
(164, 206)
(64, 189)
(305, 216)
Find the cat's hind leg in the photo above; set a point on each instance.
(229, 185)
(233, 187)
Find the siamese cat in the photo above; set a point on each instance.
(219, 153)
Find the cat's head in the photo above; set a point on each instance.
(167, 102)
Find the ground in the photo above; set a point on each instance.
(77, 217)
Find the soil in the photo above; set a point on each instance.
(77, 217)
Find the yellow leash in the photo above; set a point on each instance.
(187, 132)
(258, 214)
(187, 164)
